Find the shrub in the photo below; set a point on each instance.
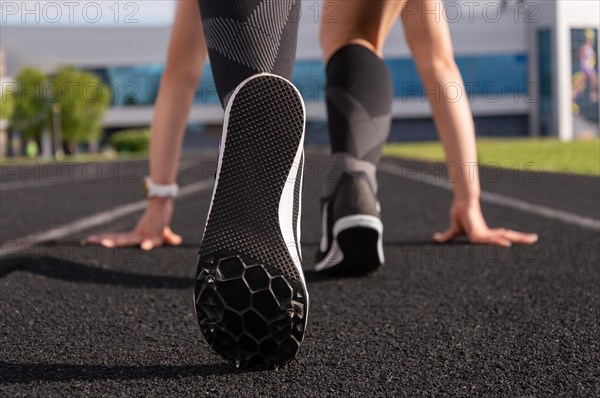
(131, 140)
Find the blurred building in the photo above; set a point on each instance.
(517, 59)
(563, 66)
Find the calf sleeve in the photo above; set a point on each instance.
(359, 105)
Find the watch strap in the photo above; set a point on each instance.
(153, 190)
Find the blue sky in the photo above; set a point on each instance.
(87, 12)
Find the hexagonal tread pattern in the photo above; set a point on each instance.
(249, 313)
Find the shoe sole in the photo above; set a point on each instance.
(250, 294)
(357, 247)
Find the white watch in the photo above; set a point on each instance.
(152, 190)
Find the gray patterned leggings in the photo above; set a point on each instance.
(246, 37)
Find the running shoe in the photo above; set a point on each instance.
(250, 292)
(351, 240)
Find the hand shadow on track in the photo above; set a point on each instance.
(69, 271)
(13, 373)
(187, 244)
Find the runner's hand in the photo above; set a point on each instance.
(467, 220)
(151, 231)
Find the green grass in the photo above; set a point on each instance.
(579, 157)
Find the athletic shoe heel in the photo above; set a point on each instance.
(359, 244)
(357, 247)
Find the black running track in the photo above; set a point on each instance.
(437, 320)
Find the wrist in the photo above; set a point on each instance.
(471, 200)
(466, 194)
(160, 207)
(160, 202)
(158, 210)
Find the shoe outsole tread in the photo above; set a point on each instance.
(250, 295)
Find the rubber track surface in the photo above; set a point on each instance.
(437, 320)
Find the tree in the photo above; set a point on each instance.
(7, 105)
(31, 109)
(83, 99)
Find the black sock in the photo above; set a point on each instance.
(246, 37)
(359, 105)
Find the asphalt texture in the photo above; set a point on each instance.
(436, 320)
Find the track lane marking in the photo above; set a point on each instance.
(104, 217)
(7, 186)
(81, 224)
(496, 198)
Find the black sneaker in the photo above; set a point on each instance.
(250, 293)
(352, 229)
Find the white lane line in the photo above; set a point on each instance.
(496, 198)
(73, 178)
(21, 244)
